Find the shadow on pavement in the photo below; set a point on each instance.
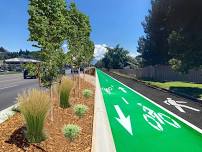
(194, 92)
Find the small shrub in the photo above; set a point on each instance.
(65, 89)
(80, 110)
(87, 93)
(34, 106)
(71, 131)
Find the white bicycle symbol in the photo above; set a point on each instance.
(108, 89)
(156, 120)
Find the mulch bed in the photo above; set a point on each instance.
(12, 138)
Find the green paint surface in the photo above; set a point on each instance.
(153, 129)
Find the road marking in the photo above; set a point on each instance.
(10, 80)
(124, 121)
(179, 105)
(14, 84)
(8, 87)
(171, 113)
(124, 100)
(150, 124)
(108, 90)
(3, 75)
(159, 119)
(122, 89)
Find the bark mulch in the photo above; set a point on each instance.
(12, 138)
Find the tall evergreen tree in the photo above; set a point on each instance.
(172, 31)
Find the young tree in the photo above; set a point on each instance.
(47, 26)
(78, 35)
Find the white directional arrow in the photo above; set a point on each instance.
(122, 89)
(124, 121)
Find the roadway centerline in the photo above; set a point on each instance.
(11, 79)
(143, 125)
(9, 87)
(13, 84)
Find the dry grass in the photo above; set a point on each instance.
(65, 89)
(34, 106)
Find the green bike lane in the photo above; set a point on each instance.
(138, 125)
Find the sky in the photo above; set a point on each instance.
(113, 22)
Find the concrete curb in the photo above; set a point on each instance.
(102, 140)
(7, 113)
(161, 89)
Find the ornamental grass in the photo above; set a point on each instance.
(34, 105)
(65, 89)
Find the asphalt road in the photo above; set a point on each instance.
(185, 108)
(11, 85)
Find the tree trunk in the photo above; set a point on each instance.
(79, 83)
(51, 96)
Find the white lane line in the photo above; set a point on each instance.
(124, 100)
(10, 80)
(14, 84)
(8, 87)
(10, 76)
(122, 89)
(171, 113)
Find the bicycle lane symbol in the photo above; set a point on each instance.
(157, 120)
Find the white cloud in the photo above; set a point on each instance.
(100, 50)
(133, 54)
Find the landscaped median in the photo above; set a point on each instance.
(64, 123)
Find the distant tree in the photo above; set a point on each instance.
(3, 53)
(172, 34)
(132, 62)
(3, 50)
(99, 64)
(115, 58)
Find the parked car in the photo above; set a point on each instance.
(74, 70)
(26, 75)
